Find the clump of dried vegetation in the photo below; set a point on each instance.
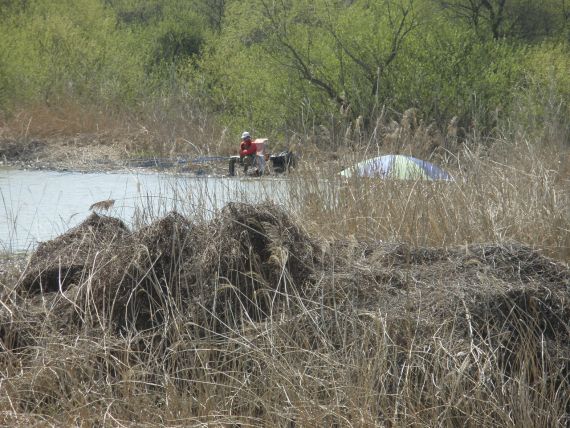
(247, 318)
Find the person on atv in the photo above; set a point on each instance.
(247, 152)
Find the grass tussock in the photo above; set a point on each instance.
(250, 319)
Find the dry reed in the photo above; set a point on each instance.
(246, 319)
(355, 303)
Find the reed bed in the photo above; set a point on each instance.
(352, 303)
(501, 192)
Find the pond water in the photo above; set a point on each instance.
(37, 206)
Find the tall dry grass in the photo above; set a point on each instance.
(166, 127)
(365, 337)
(317, 358)
(507, 189)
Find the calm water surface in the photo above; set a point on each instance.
(37, 206)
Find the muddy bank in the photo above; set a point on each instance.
(96, 153)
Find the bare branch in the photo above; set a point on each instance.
(302, 66)
(401, 23)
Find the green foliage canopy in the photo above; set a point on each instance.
(290, 66)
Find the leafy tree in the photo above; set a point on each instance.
(343, 49)
(527, 19)
(299, 62)
(175, 45)
(290, 65)
(213, 11)
(71, 49)
(448, 71)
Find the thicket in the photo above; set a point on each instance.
(285, 68)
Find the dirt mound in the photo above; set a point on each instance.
(146, 277)
(512, 262)
(440, 283)
(248, 302)
(82, 152)
(508, 301)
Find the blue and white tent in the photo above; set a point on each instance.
(398, 167)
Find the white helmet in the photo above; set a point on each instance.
(245, 135)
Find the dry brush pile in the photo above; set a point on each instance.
(248, 319)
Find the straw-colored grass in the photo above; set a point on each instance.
(354, 303)
(507, 192)
(163, 129)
